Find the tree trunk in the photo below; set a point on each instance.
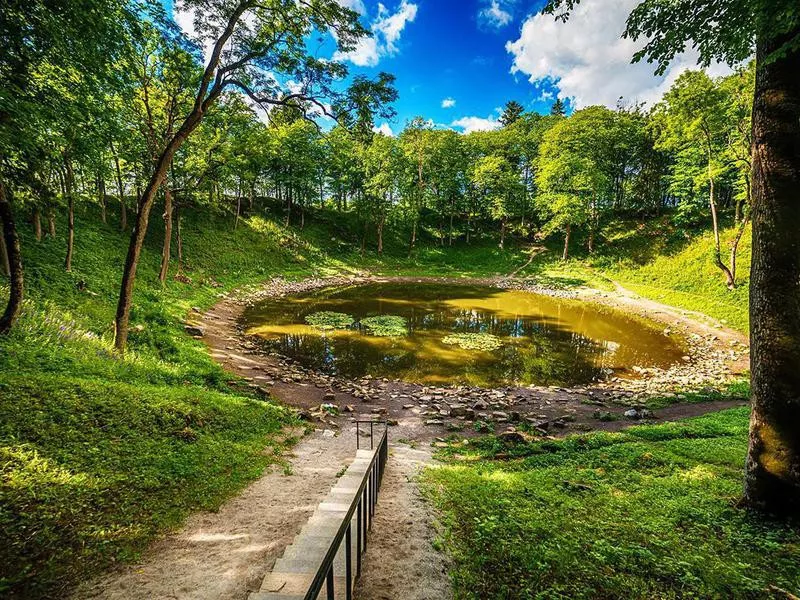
(140, 229)
(772, 477)
(238, 211)
(101, 196)
(590, 242)
(729, 280)
(162, 275)
(69, 185)
(567, 234)
(51, 221)
(123, 211)
(10, 243)
(5, 265)
(502, 234)
(381, 223)
(37, 223)
(179, 237)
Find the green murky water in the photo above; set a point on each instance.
(536, 339)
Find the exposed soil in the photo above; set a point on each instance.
(227, 553)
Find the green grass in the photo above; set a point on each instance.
(102, 453)
(663, 264)
(651, 513)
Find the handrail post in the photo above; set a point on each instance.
(348, 563)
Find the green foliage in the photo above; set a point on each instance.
(386, 325)
(648, 513)
(98, 469)
(485, 342)
(327, 320)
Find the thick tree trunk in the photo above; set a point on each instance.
(37, 223)
(772, 479)
(69, 186)
(10, 243)
(162, 274)
(567, 234)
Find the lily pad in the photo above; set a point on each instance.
(328, 320)
(473, 341)
(386, 325)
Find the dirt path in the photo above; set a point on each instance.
(401, 561)
(225, 555)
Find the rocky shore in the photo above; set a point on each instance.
(714, 357)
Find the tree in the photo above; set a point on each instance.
(251, 42)
(558, 109)
(47, 44)
(695, 125)
(512, 111)
(729, 30)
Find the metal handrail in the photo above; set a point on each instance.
(364, 502)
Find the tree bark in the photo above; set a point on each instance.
(69, 187)
(381, 223)
(5, 265)
(772, 477)
(51, 221)
(502, 234)
(162, 275)
(37, 223)
(178, 236)
(123, 211)
(101, 196)
(567, 234)
(712, 201)
(10, 243)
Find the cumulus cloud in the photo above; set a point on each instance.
(470, 124)
(383, 128)
(495, 15)
(448, 103)
(587, 59)
(387, 29)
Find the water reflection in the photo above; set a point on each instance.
(545, 340)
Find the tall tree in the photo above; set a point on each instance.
(730, 30)
(250, 43)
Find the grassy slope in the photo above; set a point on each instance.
(645, 514)
(100, 454)
(659, 262)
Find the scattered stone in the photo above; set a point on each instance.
(194, 330)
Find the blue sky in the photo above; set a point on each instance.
(451, 62)
(457, 62)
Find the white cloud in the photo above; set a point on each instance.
(587, 59)
(384, 128)
(356, 5)
(494, 15)
(386, 31)
(470, 124)
(448, 103)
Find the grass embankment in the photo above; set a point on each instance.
(658, 261)
(99, 453)
(650, 513)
